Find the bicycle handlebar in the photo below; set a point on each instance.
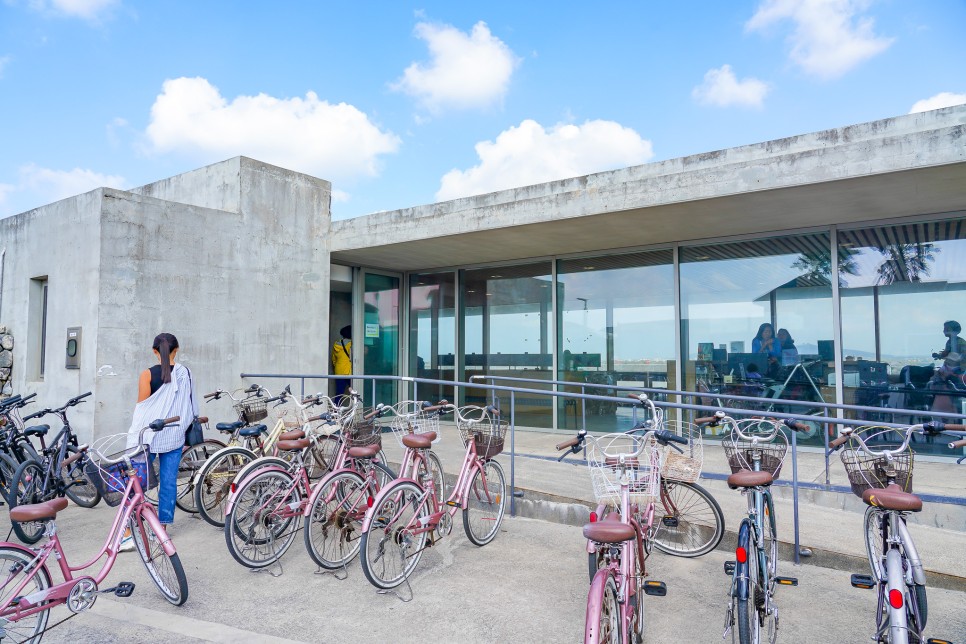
(957, 444)
(931, 428)
(573, 442)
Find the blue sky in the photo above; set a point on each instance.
(405, 104)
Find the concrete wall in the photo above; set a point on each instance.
(62, 242)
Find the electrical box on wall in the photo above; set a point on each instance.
(73, 347)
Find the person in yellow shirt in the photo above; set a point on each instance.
(342, 360)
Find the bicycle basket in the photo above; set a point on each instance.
(252, 410)
(488, 433)
(686, 466)
(643, 471)
(866, 471)
(409, 418)
(742, 453)
(111, 479)
(361, 432)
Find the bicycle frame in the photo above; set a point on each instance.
(57, 594)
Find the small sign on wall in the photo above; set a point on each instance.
(372, 330)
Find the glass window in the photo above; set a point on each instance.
(616, 327)
(507, 327)
(902, 311)
(37, 322)
(381, 336)
(756, 320)
(432, 332)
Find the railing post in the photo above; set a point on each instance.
(513, 456)
(303, 388)
(583, 408)
(798, 558)
(373, 392)
(825, 435)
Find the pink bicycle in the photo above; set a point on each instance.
(407, 516)
(26, 591)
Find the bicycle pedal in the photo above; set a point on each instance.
(729, 567)
(669, 522)
(863, 581)
(655, 588)
(453, 504)
(123, 589)
(786, 581)
(936, 640)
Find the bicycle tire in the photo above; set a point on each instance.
(192, 460)
(8, 468)
(603, 626)
(13, 561)
(748, 626)
(485, 504)
(214, 483)
(386, 543)
(874, 541)
(333, 523)
(700, 523)
(165, 570)
(919, 591)
(252, 533)
(29, 475)
(434, 467)
(84, 494)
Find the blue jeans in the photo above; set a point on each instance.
(168, 488)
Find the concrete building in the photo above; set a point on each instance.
(657, 275)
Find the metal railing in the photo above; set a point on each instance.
(514, 391)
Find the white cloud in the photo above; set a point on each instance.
(723, 89)
(91, 10)
(59, 184)
(465, 71)
(334, 142)
(529, 154)
(829, 38)
(940, 100)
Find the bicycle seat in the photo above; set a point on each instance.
(367, 451)
(293, 435)
(288, 446)
(229, 427)
(38, 511)
(609, 531)
(749, 478)
(419, 441)
(892, 498)
(254, 430)
(36, 430)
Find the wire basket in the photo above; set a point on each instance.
(488, 433)
(357, 431)
(252, 410)
(742, 453)
(408, 417)
(111, 479)
(643, 471)
(866, 471)
(686, 466)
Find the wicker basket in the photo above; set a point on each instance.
(683, 466)
(488, 433)
(643, 471)
(408, 417)
(741, 453)
(111, 479)
(866, 471)
(252, 410)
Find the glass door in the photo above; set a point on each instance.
(379, 335)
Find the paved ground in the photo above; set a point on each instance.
(529, 585)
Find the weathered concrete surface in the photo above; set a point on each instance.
(908, 165)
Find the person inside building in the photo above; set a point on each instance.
(949, 375)
(342, 360)
(766, 342)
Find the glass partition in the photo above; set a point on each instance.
(756, 320)
(902, 315)
(616, 328)
(432, 332)
(381, 336)
(507, 332)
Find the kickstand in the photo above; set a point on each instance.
(335, 573)
(268, 569)
(402, 560)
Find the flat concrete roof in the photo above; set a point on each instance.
(903, 166)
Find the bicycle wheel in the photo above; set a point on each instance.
(604, 625)
(8, 468)
(394, 542)
(918, 591)
(165, 570)
(81, 490)
(769, 621)
(485, 504)
(334, 523)
(28, 488)
(689, 521)
(14, 563)
(214, 483)
(192, 460)
(321, 458)
(434, 468)
(261, 525)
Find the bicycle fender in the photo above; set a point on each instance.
(740, 586)
(257, 464)
(230, 504)
(149, 514)
(22, 548)
(378, 500)
(594, 604)
(912, 554)
(896, 580)
(317, 488)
